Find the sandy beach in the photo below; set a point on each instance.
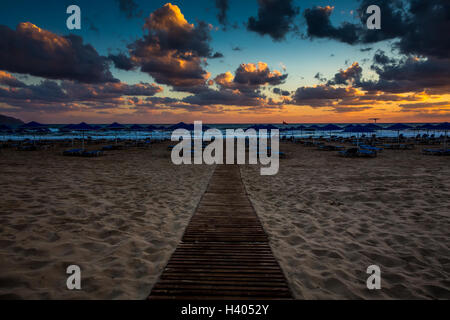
(329, 218)
(120, 217)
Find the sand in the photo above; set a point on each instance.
(329, 218)
(119, 217)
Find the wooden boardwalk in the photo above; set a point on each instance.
(224, 252)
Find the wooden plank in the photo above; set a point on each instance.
(224, 252)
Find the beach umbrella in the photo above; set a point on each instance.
(373, 126)
(301, 128)
(358, 129)
(426, 127)
(82, 127)
(181, 125)
(445, 126)
(137, 128)
(151, 128)
(67, 127)
(330, 128)
(34, 127)
(399, 127)
(115, 127)
(5, 129)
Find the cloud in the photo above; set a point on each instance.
(281, 92)
(319, 26)
(258, 74)
(38, 52)
(322, 95)
(241, 88)
(275, 18)
(341, 109)
(425, 106)
(130, 8)
(59, 97)
(222, 6)
(173, 51)
(410, 74)
(9, 80)
(122, 61)
(351, 75)
(415, 25)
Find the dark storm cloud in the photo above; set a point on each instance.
(122, 61)
(409, 74)
(418, 25)
(38, 52)
(281, 92)
(129, 8)
(10, 81)
(319, 26)
(428, 33)
(222, 6)
(275, 18)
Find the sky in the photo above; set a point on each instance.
(225, 61)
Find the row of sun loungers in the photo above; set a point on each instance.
(82, 153)
(358, 153)
(436, 152)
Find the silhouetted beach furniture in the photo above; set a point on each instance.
(355, 153)
(367, 147)
(27, 148)
(113, 147)
(436, 152)
(398, 146)
(73, 152)
(444, 127)
(329, 148)
(33, 128)
(399, 127)
(116, 127)
(358, 129)
(82, 153)
(82, 127)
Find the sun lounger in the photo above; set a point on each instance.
(355, 153)
(73, 152)
(93, 153)
(436, 152)
(367, 147)
(113, 147)
(330, 148)
(367, 153)
(27, 148)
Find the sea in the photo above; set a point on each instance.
(55, 132)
